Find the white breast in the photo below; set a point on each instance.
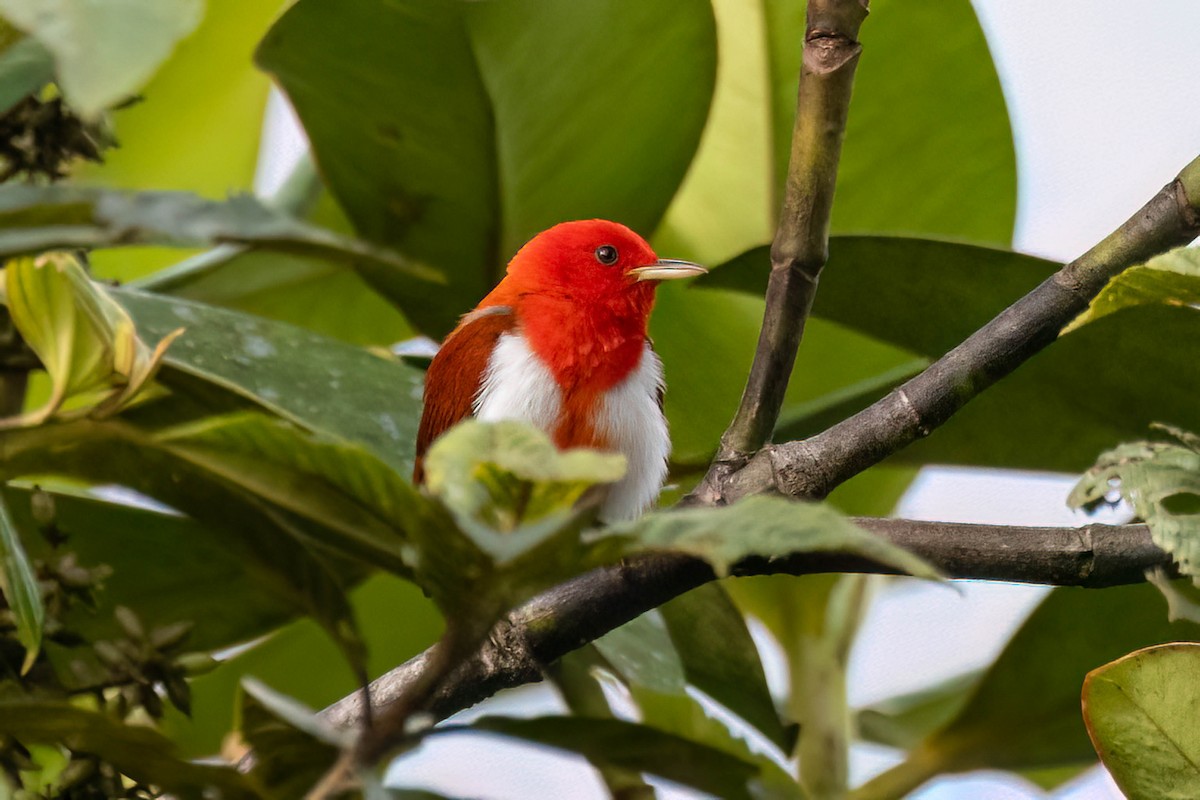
(517, 385)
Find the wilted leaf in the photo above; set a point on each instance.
(86, 342)
(629, 746)
(1161, 480)
(763, 527)
(1169, 279)
(21, 590)
(1143, 714)
(104, 52)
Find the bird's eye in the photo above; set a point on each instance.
(606, 254)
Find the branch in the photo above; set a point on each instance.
(813, 467)
(587, 607)
(801, 244)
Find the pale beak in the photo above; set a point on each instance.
(667, 269)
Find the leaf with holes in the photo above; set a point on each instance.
(1161, 480)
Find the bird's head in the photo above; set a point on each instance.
(595, 262)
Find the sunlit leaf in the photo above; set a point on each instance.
(1142, 714)
(1169, 279)
(104, 52)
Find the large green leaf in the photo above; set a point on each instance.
(318, 383)
(197, 127)
(137, 750)
(472, 145)
(1143, 714)
(904, 168)
(630, 746)
(158, 560)
(33, 219)
(104, 52)
(21, 590)
(1024, 711)
(271, 545)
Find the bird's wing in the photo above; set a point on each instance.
(453, 378)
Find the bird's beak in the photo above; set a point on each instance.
(667, 269)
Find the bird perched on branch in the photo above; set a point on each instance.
(561, 343)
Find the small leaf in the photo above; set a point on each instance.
(1160, 480)
(25, 67)
(292, 748)
(136, 750)
(903, 721)
(721, 659)
(763, 527)
(38, 218)
(1143, 715)
(84, 339)
(105, 52)
(629, 746)
(1172, 278)
(21, 588)
(507, 472)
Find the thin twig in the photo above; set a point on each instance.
(801, 245)
(592, 604)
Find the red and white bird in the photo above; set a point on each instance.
(561, 343)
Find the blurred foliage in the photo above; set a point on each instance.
(247, 480)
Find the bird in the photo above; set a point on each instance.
(561, 343)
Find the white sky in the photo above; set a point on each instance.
(1106, 109)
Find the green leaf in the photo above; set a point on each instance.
(85, 341)
(1170, 279)
(720, 659)
(37, 218)
(25, 67)
(763, 527)
(397, 620)
(886, 152)
(138, 751)
(1141, 712)
(1024, 711)
(292, 748)
(1161, 480)
(471, 145)
(157, 560)
(272, 545)
(903, 721)
(363, 505)
(197, 128)
(629, 746)
(104, 52)
(320, 384)
(21, 590)
(972, 284)
(504, 473)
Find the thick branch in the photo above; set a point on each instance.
(592, 604)
(815, 466)
(801, 245)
